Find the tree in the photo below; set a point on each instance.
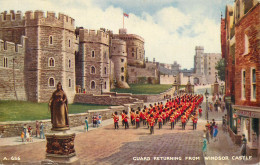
(220, 67)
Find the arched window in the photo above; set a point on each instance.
(5, 62)
(51, 62)
(69, 82)
(105, 85)
(122, 69)
(93, 70)
(69, 43)
(246, 45)
(122, 78)
(105, 70)
(92, 53)
(93, 85)
(51, 82)
(133, 54)
(69, 63)
(50, 40)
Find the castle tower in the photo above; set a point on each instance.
(134, 47)
(50, 55)
(119, 58)
(92, 63)
(199, 60)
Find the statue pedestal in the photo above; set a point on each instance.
(60, 148)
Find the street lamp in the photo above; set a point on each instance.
(115, 86)
(101, 83)
(207, 95)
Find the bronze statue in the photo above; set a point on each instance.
(58, 105)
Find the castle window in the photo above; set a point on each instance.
(122, 60)
(5, 62)
(5, 45)
(243, 82)
(51, 82)
(122, 69)
(246, 50)
(105, 70)
(93, 53)
(50, 40)
(105, 85)
(93, 70)
(93, 85)
(133, 54)
(16, 48)
(69, 43)
(253, 84)
(122, 78)
(51, 62)
(69, 63)
(69, 82)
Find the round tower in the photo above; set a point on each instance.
(119, 58)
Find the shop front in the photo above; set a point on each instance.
(248, 121)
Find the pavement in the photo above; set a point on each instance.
(107, 146)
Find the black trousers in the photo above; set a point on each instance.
(152, 129)
(137, 124)
(183, 125)
(126, 125)
(160, 125)
(194, 126)
(116, 125)
(172, 125)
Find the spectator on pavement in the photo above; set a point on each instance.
(86, 124)
(243, 147)
(204, 147)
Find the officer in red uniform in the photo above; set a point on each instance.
(151, 123)
(172, 118)
(137, 119)
(183, 121)
(116, 119)
(195, 120)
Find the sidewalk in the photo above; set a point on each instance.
(12, 141)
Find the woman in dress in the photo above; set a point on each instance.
(59, 109)
(204, 146)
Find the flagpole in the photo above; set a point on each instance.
(123, 20)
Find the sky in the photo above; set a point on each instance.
(171, 28)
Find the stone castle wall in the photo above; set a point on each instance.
(119, 58)
(12, 85)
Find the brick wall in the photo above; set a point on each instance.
(249, 25)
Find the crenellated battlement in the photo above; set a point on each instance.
(6, 46)
(99, 36)
(11, 16)
(39, 17)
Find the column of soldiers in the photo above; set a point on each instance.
(180, 108)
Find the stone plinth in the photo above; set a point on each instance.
(60, 148)
(216, 86)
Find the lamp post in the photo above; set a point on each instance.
(115, 86)
(207, 95)
(101, 83)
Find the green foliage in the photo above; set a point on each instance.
(220, 67)
(23, 110)
(144, 89)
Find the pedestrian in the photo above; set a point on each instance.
(22, 136)
(123, 116)
(25, 131)
(132, 115)
(215, 132)
(243, 147)
(42, 131)
(207, 134)
(86, 124)
(211, 130)
(204, 146)
(37, 130)
(94, 120)
(99, 119)
(116, 120)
